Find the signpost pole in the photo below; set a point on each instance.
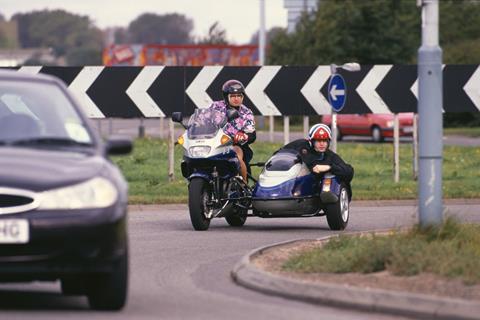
(333, 145)
(306, 125)
(396, 149)
(171, 150)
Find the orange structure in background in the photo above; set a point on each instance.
(180, 55)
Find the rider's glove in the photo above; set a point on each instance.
(240, 138)
(320, 168)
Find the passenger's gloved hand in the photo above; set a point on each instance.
(240, 138)
(319, 168)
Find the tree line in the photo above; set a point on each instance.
(380, 32)
(377, 32)
(78, 41)
(367, 31)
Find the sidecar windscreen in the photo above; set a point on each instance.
(283, 160)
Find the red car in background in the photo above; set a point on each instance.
(377, 126)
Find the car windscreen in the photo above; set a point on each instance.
(205, 123)
(39, 111)
(284, 160)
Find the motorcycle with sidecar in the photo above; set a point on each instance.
(285, 187)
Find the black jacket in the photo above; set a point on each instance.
(311, 158)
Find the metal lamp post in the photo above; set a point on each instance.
(430, 129)
(352, 67)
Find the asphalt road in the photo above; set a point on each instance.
(178, 273)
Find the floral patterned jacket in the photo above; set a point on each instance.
(245, 122)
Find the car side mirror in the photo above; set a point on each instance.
(177, 117)
(119, 145)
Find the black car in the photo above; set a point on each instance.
(63, 203)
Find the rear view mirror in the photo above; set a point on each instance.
(119, 145)
(177, 117)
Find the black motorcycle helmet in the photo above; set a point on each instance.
(232, 86)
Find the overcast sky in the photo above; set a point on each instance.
(240, 18)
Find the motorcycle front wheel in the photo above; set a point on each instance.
(198, 196)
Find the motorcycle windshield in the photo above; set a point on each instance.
(205, 123)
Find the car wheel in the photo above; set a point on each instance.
(377, 134)
(339, 212)
(108, 291)
(339, 134)
(237, 217)
(198, 195)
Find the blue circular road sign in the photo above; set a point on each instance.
(337, 92)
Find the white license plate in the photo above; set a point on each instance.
(14, 231)
(408, 129)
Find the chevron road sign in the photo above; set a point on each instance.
(157, 91)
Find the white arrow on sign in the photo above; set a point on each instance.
(311, 90)
(472, 88)
(414, 88)
(256, 91)
(137, 91)
(30, 69)
(367, 89)
(79, 87)
(334, 92)
(197, 90)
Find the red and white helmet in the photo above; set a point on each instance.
(319, 131)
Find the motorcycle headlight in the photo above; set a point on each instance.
(199, 151)
(94, 193)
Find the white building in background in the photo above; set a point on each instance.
(296, 8)
(17, 57)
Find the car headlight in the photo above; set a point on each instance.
(199, 151)
(94, 193)
(389, 123)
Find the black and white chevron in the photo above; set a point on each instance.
(157, 91)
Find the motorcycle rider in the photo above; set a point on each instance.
(315, 153)
(242, 128)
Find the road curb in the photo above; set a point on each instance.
(248, 275)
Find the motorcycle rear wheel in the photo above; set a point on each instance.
(198, 195)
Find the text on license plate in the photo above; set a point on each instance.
(14, 231)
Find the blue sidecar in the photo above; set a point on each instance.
(287, 188)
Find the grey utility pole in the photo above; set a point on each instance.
(261, 34)
(295, 9)
(430, 105)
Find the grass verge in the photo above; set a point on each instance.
(473, 132)
(451, 250)
(146, 170)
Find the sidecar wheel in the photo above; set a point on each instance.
(198, 195)
(237, 218)
(338, 213)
